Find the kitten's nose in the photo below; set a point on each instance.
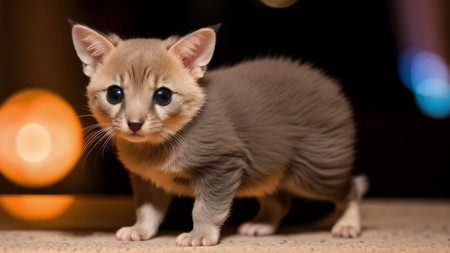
(135, 125)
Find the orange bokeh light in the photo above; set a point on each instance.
(41, 138)
(36, 207)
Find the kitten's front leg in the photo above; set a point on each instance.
(151, 207)
(215, 194)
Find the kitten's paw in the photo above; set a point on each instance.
(256, 228)
(346, 230)
(349, 225)
(197, 239)
(134, 233)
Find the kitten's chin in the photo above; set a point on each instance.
(150, 138)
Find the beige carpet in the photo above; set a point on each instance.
(389, 226)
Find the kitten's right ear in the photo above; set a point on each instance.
(195, 50)
(91, 47)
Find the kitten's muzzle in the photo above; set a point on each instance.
(135, 125)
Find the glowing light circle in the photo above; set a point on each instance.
(33, 143)
(41, 138)
(426, 74)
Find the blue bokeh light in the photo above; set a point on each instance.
(426, 75)
(425, 66)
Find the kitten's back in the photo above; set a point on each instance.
(271, 92)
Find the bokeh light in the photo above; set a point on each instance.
(41, 138)
(36, 207)
(279, 3)
(426, 75)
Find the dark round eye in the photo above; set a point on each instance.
(162, 96)
(114, 95)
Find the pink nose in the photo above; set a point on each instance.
(135, 125)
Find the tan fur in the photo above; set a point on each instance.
(263, 186)
(161, 171)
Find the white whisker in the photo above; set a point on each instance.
(108, 143)
(97, 135)
(85, 115)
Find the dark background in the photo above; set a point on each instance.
(404, 152)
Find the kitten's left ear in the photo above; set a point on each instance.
(195, 50)
(91, 47)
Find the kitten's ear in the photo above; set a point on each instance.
(195, 50)
(91, 47)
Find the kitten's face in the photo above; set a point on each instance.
(144, 90)
(142, 93)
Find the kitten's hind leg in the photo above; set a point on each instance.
(349, 224)
(272, 210)
(151, 207)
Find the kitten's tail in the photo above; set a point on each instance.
(360, 186)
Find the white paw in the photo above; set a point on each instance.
(256, 228)
(346, 230)
(197, 239)
(349, 225)
(134, 233)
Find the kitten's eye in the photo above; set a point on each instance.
(162, 96)
(114, 95)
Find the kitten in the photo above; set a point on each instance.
(269, 128)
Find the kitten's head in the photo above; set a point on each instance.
(144, 90)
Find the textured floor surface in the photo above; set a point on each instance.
(389, 226)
